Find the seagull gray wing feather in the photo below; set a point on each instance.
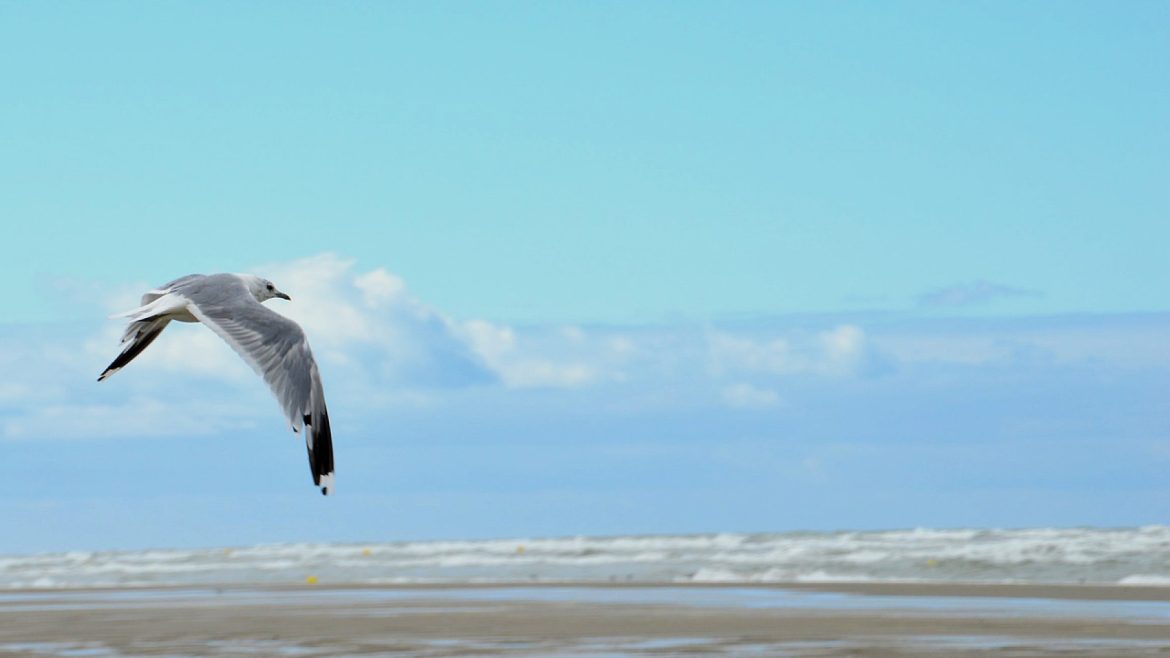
(278, 351)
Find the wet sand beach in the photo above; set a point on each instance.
(590, 620)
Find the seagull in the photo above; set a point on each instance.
(275, 347)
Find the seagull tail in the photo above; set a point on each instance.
(138, 336)
(155, 302)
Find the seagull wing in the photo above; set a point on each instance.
(278, 351)
(138, 336)
(158, 308)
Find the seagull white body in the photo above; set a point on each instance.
(275, 347)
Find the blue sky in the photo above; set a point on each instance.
(591, 267)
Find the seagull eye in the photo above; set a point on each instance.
(270, 286)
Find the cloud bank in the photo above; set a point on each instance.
(383, 350)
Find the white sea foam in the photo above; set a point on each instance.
(1145, 579)
(1133, 556)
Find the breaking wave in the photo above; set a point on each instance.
(1128, 556)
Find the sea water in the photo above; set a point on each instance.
(1126, 556)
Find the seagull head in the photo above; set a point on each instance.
(262, 289)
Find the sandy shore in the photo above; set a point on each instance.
(594, 621)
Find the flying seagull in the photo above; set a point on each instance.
(275, 347)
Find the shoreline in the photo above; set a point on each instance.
(1056, 591)
(573, 620)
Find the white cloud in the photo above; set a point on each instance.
(842, 350)
(367, 327)
(490, 341)
(379, 287)
(327, 300)
(621, 345)
(845, 349)
(517, 368)
(730, 352)
(746, 396)
(575, 334)
(546, 374)
(377, 344)
(843, 343)
(373, 313)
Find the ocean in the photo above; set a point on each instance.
(1100, 556)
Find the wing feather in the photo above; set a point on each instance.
(276, 348)
(137, 337)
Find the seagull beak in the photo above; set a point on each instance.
(282, 296)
